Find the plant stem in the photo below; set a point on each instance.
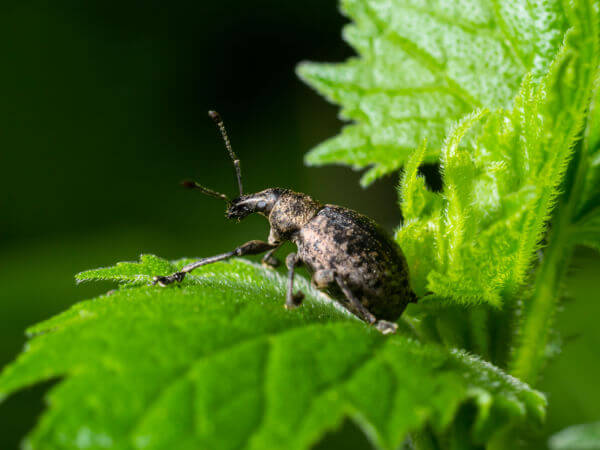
(530, 355)
(424, 439)
(539, 311)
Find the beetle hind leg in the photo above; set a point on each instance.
(358, 308)
(383, 326)
(386, 327)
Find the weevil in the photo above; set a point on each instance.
(348, 255)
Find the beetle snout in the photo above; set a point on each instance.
(237, 211)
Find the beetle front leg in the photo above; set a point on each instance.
(292, 300)
(249, 248)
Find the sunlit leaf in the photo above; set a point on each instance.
(500, 182)
(577, 437)
(421, 66)
(218, 363)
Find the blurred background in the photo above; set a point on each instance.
(104, 111)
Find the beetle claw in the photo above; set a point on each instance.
(164, 281)
(297, 298)
(386, 327)
(159, 280)
(296, 301)
(270, 262)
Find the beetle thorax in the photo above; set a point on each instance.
(291, 212)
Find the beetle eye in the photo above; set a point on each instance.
(261, 204)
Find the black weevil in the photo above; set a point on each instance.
(349, 255)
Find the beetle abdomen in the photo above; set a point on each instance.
(360, 252)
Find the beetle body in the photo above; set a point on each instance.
(357, 249)
(349, 256)
(354, 247)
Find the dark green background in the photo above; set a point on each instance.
(103, 111)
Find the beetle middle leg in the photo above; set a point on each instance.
(249, 248)
(292, 300)
(321, 279)
(269, 260)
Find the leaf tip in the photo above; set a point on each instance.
(305, 70)
(312, 159)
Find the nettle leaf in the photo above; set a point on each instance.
(217, 362)
(587, 233)
(421, 66)
(474, 242)
(586, 229)
(577, 437)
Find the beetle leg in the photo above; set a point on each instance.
(292, 300)
(249, 248)
(383, 326)
(386, 327)
(358, 307)
(269, 260)
(321, 279)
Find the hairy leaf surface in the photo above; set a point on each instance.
(422, 65)
(219, 363)
(586, 229)
(475, 240)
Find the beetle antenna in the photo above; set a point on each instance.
(236, 162)
(193, 185)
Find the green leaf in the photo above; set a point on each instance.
(414, 198)
(586, 229)
(500, 182)
(590, 198)
(572, 85)
(421, 66)
(587, 232)
(577, 437)
(217, 362)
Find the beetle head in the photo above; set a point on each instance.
(260, 202)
